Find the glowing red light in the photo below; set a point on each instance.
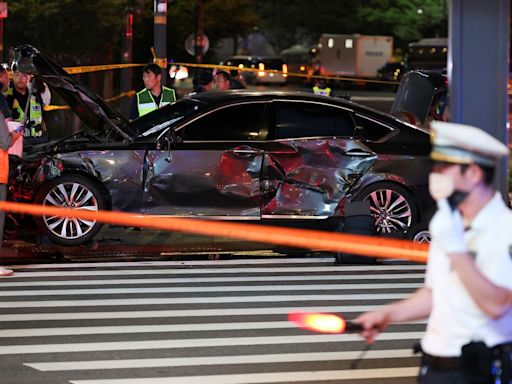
(319, 322)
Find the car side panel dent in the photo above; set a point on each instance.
(311, 177)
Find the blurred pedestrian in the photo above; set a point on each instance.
(321, 88)
(222, 81)
(26, 102)
(467, 294)
(237, 80)
(4, 85)
(7, 139)
(202, 82)
(154, 95)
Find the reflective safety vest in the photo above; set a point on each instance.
(37, 128)
(146, 103)
(4, 167)
(322, 91)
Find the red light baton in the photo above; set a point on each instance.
(323, 322)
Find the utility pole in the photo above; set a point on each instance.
(199, 40)
(127, 58)
(160, 23)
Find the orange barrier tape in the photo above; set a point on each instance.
(292, 74)
(96, 68)
(302, 238)
(49, 108)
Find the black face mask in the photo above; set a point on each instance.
(456, 198)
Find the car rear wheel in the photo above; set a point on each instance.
(392, 206)
(419, 233)
(76, 192)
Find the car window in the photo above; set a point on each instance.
(309, 120)
(237, 122)
(370, 129)
(156, 121)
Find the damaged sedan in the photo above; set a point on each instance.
(286, 158)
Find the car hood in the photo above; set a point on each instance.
(91, 108)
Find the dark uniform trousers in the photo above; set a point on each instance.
(478, 365)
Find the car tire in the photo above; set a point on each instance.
(392, 206)
(70, 191)
(419, 233)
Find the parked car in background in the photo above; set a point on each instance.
(248, 65)
(286, 158)
(271, 70)
(263, 69)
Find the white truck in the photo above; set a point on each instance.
(358, 56)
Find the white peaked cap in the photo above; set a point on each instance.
(465, 144)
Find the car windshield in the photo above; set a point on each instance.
(163, 118)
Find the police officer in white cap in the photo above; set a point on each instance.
(467, 295)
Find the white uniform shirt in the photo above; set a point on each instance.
(455, 319)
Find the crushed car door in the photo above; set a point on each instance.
(311, 161)
(213, 169)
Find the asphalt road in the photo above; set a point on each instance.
(199, 322)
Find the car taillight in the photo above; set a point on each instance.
(261, 68)
(285, 70)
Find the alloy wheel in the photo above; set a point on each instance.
(70, 195)
(391, 210)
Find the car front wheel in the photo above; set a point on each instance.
(76, 192)
(392, 206)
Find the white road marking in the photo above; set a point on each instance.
(181, 313)
(218, 360)
(220, 270)
(233, 279)
(195, 343)
(155, 328)
(260, 378)
(207, 289)
(133, 264)
(199, 300)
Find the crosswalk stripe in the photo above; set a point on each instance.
(182, 313)
(195, 343)
(219, 360)
(230, 279)
(199, 300)
(122, 329)
(220, 270)
(125, 329)
(114, 332)
(260, 378)
(243, 261)
(206, 289)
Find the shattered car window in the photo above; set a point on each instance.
(166, 117)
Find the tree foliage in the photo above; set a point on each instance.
(91, 32)
(75, 31)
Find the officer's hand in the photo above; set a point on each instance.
(447, 229)
(373, 323)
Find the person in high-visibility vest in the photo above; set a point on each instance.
(18, 96)
(7, 139)
(321, 88)
(154, 95)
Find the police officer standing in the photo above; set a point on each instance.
(321, 88)
(467, 295)
(23, 99)
(154, 95)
